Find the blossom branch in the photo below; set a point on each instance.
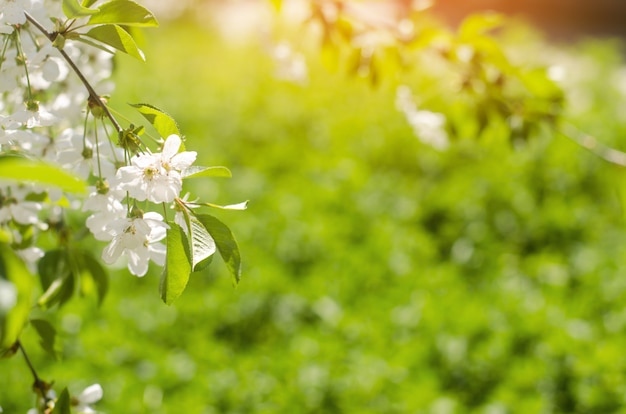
(38, 384)
(93, 95)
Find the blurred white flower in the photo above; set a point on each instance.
(107, 208)
(78, 154)
(89, 396)
(290, 66)
(12, 13)
(14, 207)
(428, 127)
(156, 177)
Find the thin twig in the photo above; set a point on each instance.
(92, 93)
(39, 383)
(592, 144)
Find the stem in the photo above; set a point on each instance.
(92, 93)
(39, 384)
(596, 147)
(20, 51)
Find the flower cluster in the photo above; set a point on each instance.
(59, 139)
(42, 125)
(155, 177)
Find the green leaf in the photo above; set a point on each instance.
(51, 267)
(195, 172)
(124, 12)
(63, 404)
(225, 242)
(95, 44)
(116, 37)
(88, 3)
(19, 283)
(164, 124)
(22, 170)
(57, 278)
(72, 9)
(90, 266)
(202, 245)
(47, 336)
(177, 265)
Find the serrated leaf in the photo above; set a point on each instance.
(72, 9)
(163, 122)
(196, 172)
(202, 245)
(19, 284)
(123, 12)
(63, 404)
(22, 170)
(225, 243)
(177, 265)
(47, 336)
(116, 37)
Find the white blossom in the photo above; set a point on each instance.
(156, 177)
(107, 208)
(89, 396)
(13, 206)
(136, 238)
(78, 154)
(12, 13)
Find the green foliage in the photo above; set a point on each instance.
(116, 37)
(177, 265)
(47, 336)
(383, 276)
(62, 270)
(123, 12)
(73, 10)
(225, 243)
(22, 170)
(196, 172)
(164, 124)
(63, 404)
(201, 243)
(15, 277)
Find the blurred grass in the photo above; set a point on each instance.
(379, 275)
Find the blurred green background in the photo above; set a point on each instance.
(380, 276)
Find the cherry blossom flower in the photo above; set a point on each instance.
(137, 239)
(12, 13)
(89, 396)
(157, 177)
(14, 207)
(107, 208)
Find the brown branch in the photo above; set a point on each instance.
(93, 95)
